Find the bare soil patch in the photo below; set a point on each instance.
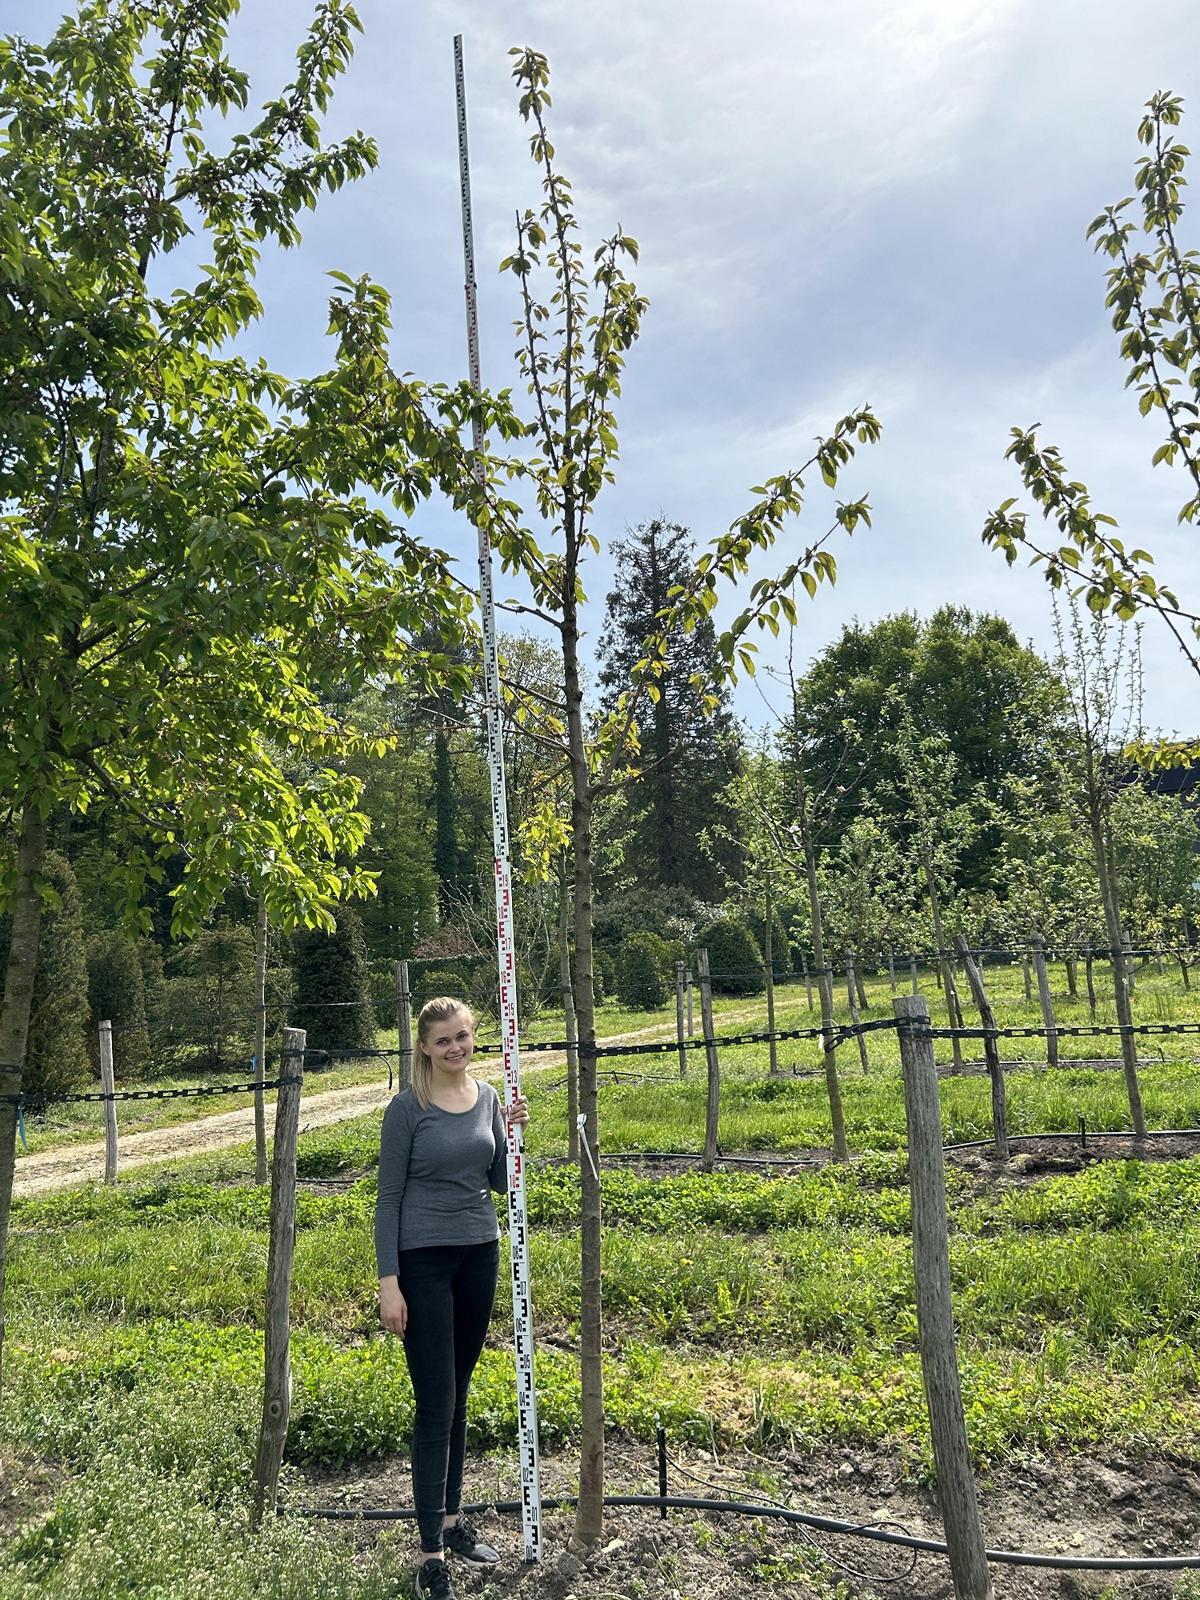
(1034, 1158)
(1072, 1507)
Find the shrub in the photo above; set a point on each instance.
(604, 975)
(674, 911)
(208, 1005)
(117, 992)
(333, 990)
(56, 1057)
(734, 958)
(642, 968)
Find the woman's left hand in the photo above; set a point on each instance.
(518, 1111)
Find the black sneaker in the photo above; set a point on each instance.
(462, 1540)
(433, 1581)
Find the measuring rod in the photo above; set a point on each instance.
(518, 1218)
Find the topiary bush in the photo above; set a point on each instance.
(56, 1056)
(642, 967)
(734, 958)
(117, 992)
(333, 988)
(604, 976)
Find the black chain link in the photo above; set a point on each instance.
(144, 1094)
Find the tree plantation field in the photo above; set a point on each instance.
(656, 1116)
(768, 1320)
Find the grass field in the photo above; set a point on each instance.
(775, 1313)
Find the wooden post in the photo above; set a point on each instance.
(935, 1311)
(1026, 977)
(679, 1019)
(691, 1021)
(807, 978)
(277, 1377)
(108, 1086)
(769, 959)
(851, 991)
(404, 1037)
(1071, 963)
(712, 1097)
(260, 1041)
(991, 1049)
(1089, 973)
(891, 955)
(1046, 998)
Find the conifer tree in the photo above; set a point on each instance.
(686, 760)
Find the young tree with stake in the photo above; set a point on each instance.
(571, 351)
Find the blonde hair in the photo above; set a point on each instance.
(440, 1009)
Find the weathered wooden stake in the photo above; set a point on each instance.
(108, 1086)
(404, 1037)
(855, 1019)
(260, 1040)
(935, 1311)
(991, 1048)
(1071, 964)
(679, 1020)
(713, 1094)
(1026, 977)
(691, 1022)
(277, 1377)
(1046, 999)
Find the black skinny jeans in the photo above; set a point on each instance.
(450, 1290)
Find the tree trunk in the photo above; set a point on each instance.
(991, 1049)
(824, 978)
(1072, 965)
(852, 995)
(1121, 989)
(768, 957)
(1089, 973)
(15, 1012)
(712, 1090)
(953, 1009)
(1045, 999)
(589, 1514)
(861, 983)
(568, 999)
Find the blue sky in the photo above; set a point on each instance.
(882, 200)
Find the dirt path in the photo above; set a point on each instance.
(83, 1163)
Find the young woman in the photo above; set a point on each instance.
(442, 1151)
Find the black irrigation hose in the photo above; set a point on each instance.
(1079, 1136)
(808, 1519)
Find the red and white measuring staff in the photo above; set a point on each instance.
(518, 1219)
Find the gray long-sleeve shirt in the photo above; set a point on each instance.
(436, 1169)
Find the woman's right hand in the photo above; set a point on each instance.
(393, 1309)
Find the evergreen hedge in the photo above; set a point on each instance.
(333, 986)
(734, 958)
(642, 967)
(56, 1055)
(117, 992)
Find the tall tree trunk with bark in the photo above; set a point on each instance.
(589, 1514)
(15, 1012)
(570, 1026)
(1120, 968)
(824, 976)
